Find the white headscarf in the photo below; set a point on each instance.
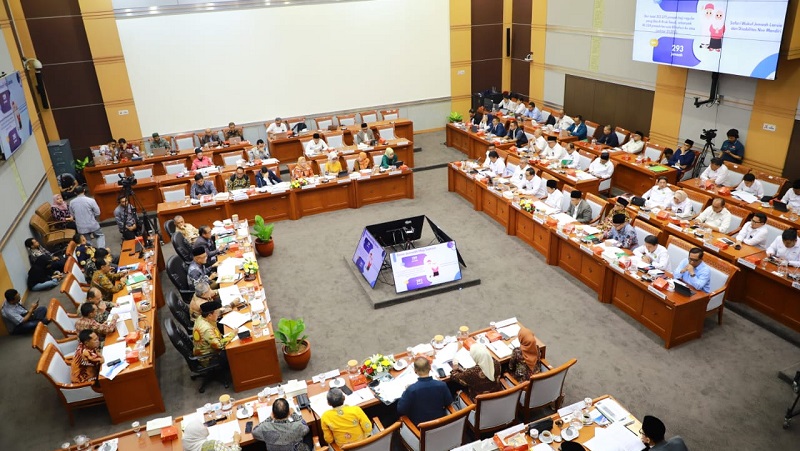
(194, 436)
(481, 356)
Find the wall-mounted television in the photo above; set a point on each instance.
(15, 122)
(739, 37)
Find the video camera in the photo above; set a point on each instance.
(126, 182)
(709, 135)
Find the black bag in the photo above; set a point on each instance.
(638, 201)
(299, 127)
(541, 425)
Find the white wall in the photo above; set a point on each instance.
(191, 71)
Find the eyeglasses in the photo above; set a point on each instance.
(695, 260)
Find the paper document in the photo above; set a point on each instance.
(744, 196)
(591, 230)
(424, 348)
(541, 206)
(509, 331)
(229, 294)
(122, 329)
(359, 396)
(234, 319)
(111, 373)
(614, 438)
(500, 349)
(506, 322)
(223, 431)
(447, 353)
(464, 359)
(191, 418)
(319, 403)
(114, 351)
(612, 410)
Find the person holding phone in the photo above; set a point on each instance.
(20, 320)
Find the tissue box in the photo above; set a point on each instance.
(724, 191)
(169, 434)
(551, 221)
(469, 342)
(662, 214)
(661, 283)
(721, 244)
(132, 357)
(754, 259)
(132, 338)
(493, 336)
(155, 426)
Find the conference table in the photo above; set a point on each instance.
(762, 288)
(473, 144)
(295, 203)
(631, 175)
(135, 392)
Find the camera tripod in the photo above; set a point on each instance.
(146, 223)
(701, 163)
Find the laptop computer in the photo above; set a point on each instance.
(779, 206)
(398, 164)
(682, 288)
(234, 140)
(342, 174)
(282, 135)
(159, 151)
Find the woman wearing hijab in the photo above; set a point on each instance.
(61, 214)
(525, 360)
(363, 162)
(195, 438)
(302, 169)
(483, 377)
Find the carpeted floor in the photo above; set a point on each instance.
(719, 392)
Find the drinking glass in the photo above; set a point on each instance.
(534, 434)
(410, 355)
(281, 391)
(65, 445)
(137, 427)
(143, 356)
(187, 200)
(493, 325)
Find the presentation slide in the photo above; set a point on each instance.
(369, 257)
(15, 123)
(415, 269)
(739, 37)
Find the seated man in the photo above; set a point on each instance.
(259, 152)
(494, 163)
(532, 184)
(36, 250)
(653, 253)
(198, 272)
(281, 431)
(85, 365)
(516, 134)
(666, 156)
(634, 145)
(578, 208)
(267, 177)
(88, 321)
(42, 276)
(107, 282)
(209, 139)
(717, 172)
(571, 158)
(239, 180)
(750, 185)
(207, 339)
(126, 218)
(315, 146)
(344, 424)
(365, 136)
(522, 107)
(693, 272)
(539, 142)
(754, 233)
(785, 248)
(232, 132)
(207, 242)
(716, 217)
(622, 232)
(157, 142)
(333, 166)
(20, 320)
(659, 195)
(553, 151)
(562, 121)
(103, 308)
(202, 294)
(652, 436)
(609, 137)
(683, 157)
(507, 104)
(202, 188)
(128, 151)
(68, 184)
(535, 114)
(578, 128)
(188, 231)
(792, 196)
(602, 167)
(277, 127)
(201, 161)
(554, 195)
(732, 149)
(427, 399)
(497, 128)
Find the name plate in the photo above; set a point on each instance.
(308, 186)
(746, 263)
(364, 177)
(586, 249)
(343, 181)
(538, 219)
(712, 247)
(673, 226)
(796, 285)
(643, 214)
(516, 206)
(395, 172)
(617, 268)
(562, 234)
(778, 274)
(657, 292)
(278, 192)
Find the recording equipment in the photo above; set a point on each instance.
(708, 135)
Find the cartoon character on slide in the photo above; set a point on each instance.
(715, 18)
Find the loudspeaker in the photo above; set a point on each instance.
(508, 42)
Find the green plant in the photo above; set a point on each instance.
(80, 164)
(289, 333)
(261, 230)
(455, 116)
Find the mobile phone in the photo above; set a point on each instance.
(441, 372)
(113, 362)
(248, 428)
(346, 390)
(210, 423)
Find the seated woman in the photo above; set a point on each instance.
(87, 359)
(42, 276)
(267, 177)
(525, 360)
(302, 169)
(333, 165)
(389, 158)
(60, 211)
(482, 378)
(363, 162)
(195, 438)
(681, 205)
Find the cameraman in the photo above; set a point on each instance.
(733, 149)
(127, 220)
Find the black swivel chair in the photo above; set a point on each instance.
(177, 274)
(182, 247)
(180, 310)
(169, 227)
(216, 369)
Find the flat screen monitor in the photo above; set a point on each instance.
(416, 269)
(368, 257)
(739, 37)
(15, 122)
(442, 237)
(399, 231)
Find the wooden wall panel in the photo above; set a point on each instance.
(609, 103)
(74, 84)
(520, 77)
(50, 8)
(522, 11)
(487, 12)
(486, 74)
(89, 125)
(791, 168)
(59, 39)
(487, 38)
(487, 42)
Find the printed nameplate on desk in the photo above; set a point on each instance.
(746, 263)
(712, 247)
(395, 172)
(363, 177)
(516, 206)
(657, 292)
(617, 268)
(586, 249)
(343, 181)
(777, 274)
(308, 186)
(538, 219)
(796, 285)
(673, 226)
(562, 234)
(643, 214)
(278, 192)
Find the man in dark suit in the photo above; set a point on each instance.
(579, 208)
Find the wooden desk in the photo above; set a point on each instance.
(730, 254)
(462, 183)
(532, 230)
(146, 191)
(777, 297)
(135, 392)
(580, 261)
(586, 186)
(383, 188)
(563, 136)
(636, 178)
(474, 146)
(595, 149)
(492, 202)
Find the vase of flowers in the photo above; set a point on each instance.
(376, 366)
(250, 269)
(299, 183)
(526, 204)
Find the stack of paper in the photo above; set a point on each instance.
(591, 230)
(239, 194)
(509, 331)
(234, 319)
(614, 438)
(194, 417)
(745, 196)
(224, 431)
(612, 410)
(221, 197)
(228, 295)
(155, 425)
(422, 349)
(541, 206)
(114, 351)
(464, 359)
(564, 218)
(500, 349)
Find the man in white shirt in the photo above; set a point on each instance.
(538, 141)
(532, 185)
(754, 233)
(785, 248)
(571, 157)
(522, 107)
(553, 151)
(507, 104)
(563, 121)
(601, 167)
(277, 127)
(653, 253)
(635, 144)
(658, 196)
(554, 196)
(717, 172)
(792, 196)
(519, 173)
(494, 163)
(316, 146)
(749, 184)
(716, 217)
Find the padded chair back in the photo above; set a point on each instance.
(174, 193)
(444, 433)
(174, 167)
(335, 139)
(350, 161)
(142, 172)
(57, 315)
(584, 160)
(177, 272)
(652, 152)
(622, 135)
(169, 227)
(597, 203)
(545, 115)
(179, 310)
(112, 176)
(643, 229)
(57, 371)
(774, 230)
(45, 211)
(180, 340)
(566, 190)
(73, 290)
(772, 184)
(390, 115)
(382, 441)
(699, 201)
(72, 267)
(232, 158)
(738, 217)
(605, 185)
(71, 249)
(547, 386)
(292, 121)
(369, 116)
(591, 129)
(377, 157)
(42, 338)
(386, 133)
(182, 247)
(497, 410)
(735, 174)
(678, 250)
(184, 141)
(346, 119)
(324, 122)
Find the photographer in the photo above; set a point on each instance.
(127, 220)
(733, 149)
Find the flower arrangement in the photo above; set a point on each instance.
(250, 267)
(297, 183)
(526, 204)
(376, 365)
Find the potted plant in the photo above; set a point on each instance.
(296, 349)
(263, 234)
(79, 166)
(455, 116)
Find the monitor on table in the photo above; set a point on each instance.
(368, 257)
(425, 267)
